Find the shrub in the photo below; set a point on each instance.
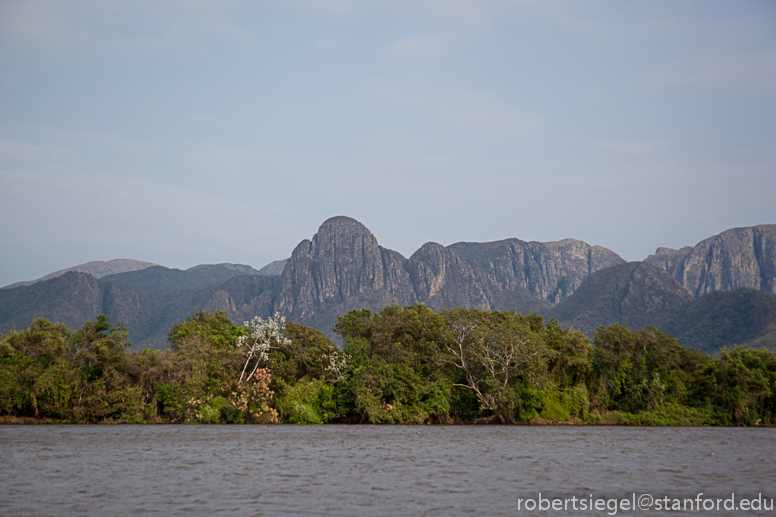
(207, 414)
(308, 402)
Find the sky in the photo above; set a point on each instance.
(185, 132)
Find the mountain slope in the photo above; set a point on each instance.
(74, 298)
(343, 267)
(71, 298)
(97, 269)
(638, 294)
(274, 268)
(726, 318)
(632, 294)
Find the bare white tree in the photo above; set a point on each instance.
(264, 333)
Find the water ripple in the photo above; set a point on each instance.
(364, 470)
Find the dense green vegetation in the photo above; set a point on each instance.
(402, 365)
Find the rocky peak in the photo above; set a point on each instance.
(348, 258)
(341, 262)
(740, 257)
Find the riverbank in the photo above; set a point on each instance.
(599, 420)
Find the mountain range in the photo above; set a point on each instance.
(97, 269)
(718, 293)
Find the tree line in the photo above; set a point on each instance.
(403, 365)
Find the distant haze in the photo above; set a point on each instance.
(185, 133)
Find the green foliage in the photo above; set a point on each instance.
(396, 375)
(403, 365)
(210, 412)
(555, 405)
(741, 386)
(578, 401)
(176, 399)
(564, 404)
(302, 358)
(502, 357)
(570, 353)
(216, 329)
(99, 348)
(308, 402)
(27, 355)
(641, 370)
(354, 323)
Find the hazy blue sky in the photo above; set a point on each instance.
(189, 132)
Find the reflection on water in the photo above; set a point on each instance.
(367, 470)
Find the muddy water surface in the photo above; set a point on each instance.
(371, 470)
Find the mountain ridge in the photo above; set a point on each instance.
(96, 268)
(343, 267)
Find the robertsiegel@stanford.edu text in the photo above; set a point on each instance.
(636, 502)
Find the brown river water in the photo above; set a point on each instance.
(382, 470)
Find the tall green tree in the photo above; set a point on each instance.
(396, 375)
(498, 355)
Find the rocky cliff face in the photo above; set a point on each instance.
(342, 266)
(741, 257)
(123, 305)
(244, 297)
(443, 280)
(549, 271)
(668, 258)
(397, 277)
